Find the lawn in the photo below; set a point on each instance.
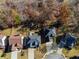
(39, 53)
(6, 56)
(71, 53)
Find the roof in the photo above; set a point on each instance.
(52, 32)
(48, 32)
(35, 37)
(67, 41)
(33, 41)
(15, 40)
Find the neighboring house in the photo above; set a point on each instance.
(15, 42)
(2, 41)
(46, 34)
(32, 41)
(67, 41)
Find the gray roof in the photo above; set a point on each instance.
(51, 32)
(35, 37)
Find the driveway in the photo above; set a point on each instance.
(31, 53)
(14, 54)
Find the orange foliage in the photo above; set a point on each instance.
(64, 13)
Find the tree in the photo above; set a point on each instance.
(17, 20)
(65, 13)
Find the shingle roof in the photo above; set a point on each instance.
(15, 40)
(35, 37)
(52, 32)
(67, 41)
(47, 33)
(32, 41)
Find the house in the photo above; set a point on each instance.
(2, 41)
(46, 34)
(67, 41)
(32, 41)
(15, 42)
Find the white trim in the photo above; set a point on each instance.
(3, 40)
(22, 39)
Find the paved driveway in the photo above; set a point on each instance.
(31, 53)
(14, 54)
